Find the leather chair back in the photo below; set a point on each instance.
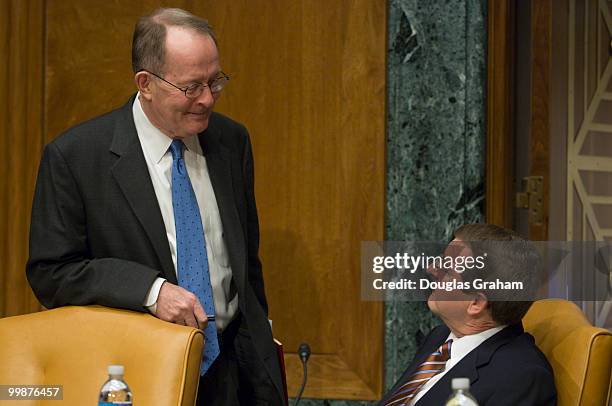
(73, 346)
(580, 354)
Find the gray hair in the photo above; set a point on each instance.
(149, 41)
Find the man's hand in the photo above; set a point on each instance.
(180, 306)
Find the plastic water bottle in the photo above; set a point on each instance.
(115, 391)
(461, 393)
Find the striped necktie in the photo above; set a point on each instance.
(433, 365)
(191, 258)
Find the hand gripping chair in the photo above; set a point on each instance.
(580, 354)
(72, 346)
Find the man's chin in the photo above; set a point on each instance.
(434, 300)
(431, 303)
(199, 128)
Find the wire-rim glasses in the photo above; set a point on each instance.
(195, 90)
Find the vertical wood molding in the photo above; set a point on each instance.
(4, 173)
(541, 54)
(500, 100)
(21, 84)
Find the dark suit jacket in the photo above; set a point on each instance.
(97, 235)
(505, 370)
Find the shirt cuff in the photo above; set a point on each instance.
(151, 299)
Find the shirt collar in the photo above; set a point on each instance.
(191, 144)
(462, 346)
(155, 142)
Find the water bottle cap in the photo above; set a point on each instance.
(115, 370)
(460, 383)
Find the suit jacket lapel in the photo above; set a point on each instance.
(432, 343)
(469, 366)
(439, 393)
(218, 161)
(131, 173)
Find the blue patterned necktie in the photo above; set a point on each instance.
(191, 257)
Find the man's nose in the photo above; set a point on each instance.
(206, 98)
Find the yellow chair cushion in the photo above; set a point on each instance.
(72, 346)
(580, 354)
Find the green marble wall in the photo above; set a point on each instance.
(435, 142)
(436, 139)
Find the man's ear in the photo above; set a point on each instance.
(478, 305)
(143, 83)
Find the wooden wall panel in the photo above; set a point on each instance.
(21, 52)
(308, 80)
(89, 70)
(500, 120)
(500, 195)
(541, 55)
(311, 88)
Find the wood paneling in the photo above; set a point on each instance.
(500, 126)
(311, 88)
(500, 112)
(89, 70)
(308, 80)
(21, 50)
(541, 54)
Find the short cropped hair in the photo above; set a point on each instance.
(510, 257)
(149, 41)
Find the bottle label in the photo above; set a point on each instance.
(114, 403)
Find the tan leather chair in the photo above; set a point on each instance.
(72, 346)
(580, 354)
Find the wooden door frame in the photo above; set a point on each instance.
(500, 112)
(500, 109)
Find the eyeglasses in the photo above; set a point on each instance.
(195, 90)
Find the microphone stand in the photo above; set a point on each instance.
(304, 353)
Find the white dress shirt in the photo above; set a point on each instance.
(155, 146)
(460, 347)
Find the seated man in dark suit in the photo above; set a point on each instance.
(482, 337)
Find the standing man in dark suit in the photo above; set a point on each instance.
(482, 337)
(151, 207)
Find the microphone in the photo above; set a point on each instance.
(304, 354)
